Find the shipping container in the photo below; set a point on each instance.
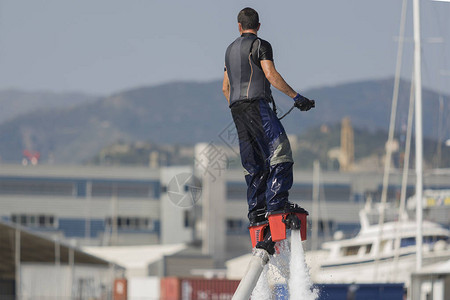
(143, 288)
(120, 289)
(173, 288)
(375, 291)
(170, 288)
(381, 291)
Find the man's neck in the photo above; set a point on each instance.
(249, 31)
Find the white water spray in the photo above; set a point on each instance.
(276, 272)
(286, 267)
(279, 263)
(300, 285)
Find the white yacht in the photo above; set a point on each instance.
(364, 259)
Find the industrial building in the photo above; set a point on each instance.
(33, 266)
(117, 206)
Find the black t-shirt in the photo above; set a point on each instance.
(261, 50)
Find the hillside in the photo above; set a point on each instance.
(188, 112)
(15, 102)
(314, 144)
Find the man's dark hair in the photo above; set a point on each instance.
(249, 19)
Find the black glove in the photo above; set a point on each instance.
(303, 103)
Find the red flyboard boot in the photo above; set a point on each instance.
(258, 225)
(291, 216)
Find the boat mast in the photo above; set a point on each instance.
(418, 125)
(389, 143)
(401, 210)
(315, 206)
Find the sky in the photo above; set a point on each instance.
(107, 46)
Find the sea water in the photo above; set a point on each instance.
(300, 285)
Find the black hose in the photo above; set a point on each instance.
(287, 112)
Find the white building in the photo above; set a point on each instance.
(113, 206)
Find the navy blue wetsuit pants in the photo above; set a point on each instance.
(265, 154)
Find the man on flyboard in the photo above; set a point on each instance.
(264, 146)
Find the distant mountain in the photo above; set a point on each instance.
(188, 112)
(15, 102)
(368, 104)
(169, 113)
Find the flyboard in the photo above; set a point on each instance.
(264, 235)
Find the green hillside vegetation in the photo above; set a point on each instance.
(313, 144)
(317, 142)
(143, 154)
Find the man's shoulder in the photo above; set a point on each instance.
(230, 45)
(263, 51)
(264, 42)
(233, 42)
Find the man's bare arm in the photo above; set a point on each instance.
(226, 86)
(275, 78)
